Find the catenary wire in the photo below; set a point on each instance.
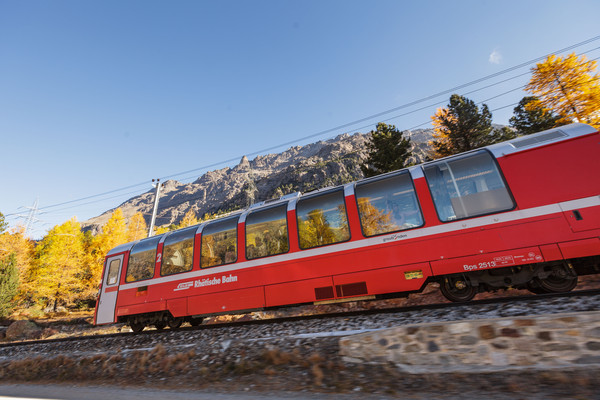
(590, 40)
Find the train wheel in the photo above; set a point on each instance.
(196, 321)
(558, 284)
(457, 289)
(137, 326)
(160, 325)
(534, 287)
(175, 323)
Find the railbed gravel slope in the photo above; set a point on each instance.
(296, 355)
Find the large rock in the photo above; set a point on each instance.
(20, 330)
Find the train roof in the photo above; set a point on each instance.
(499, 149)
(541, 138)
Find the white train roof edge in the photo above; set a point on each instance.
(553, 135)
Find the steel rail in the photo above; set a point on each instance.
(278, 320)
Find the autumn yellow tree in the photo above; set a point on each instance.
(568, 87)
(189, 219)
(136, 228)
(373, 220)
(59, 260)
(114, 233)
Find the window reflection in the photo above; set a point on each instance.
(467, 186)
(178, 252)
(142, 260)
(388, 205)
(322, 220)
(219, 243)
(266, 232)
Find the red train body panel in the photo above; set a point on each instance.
(546, 187)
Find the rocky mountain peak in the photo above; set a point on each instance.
(297, 169)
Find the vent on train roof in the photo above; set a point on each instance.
(545, 137)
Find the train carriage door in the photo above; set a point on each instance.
(110, 288)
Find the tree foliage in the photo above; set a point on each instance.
(462, 126)
(374, 220)
(388, 150)
(569, 87)
(136, 228)
(531, 117)
(189, 219)
(15, 242)
(9, 284)
(3, 223)
(114, 233)
(58, 263)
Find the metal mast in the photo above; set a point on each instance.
(157, 186)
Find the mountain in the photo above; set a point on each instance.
(298, 169)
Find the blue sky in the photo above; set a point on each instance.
(98, 96)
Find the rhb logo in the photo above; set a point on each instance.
(184, 286)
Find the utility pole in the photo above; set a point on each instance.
(157, 185)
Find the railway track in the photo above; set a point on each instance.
(397, 315)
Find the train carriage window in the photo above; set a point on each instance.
(219, 243)
(142, 260)
(178, 252)
(388, 205)
(266, 232)
(467, 186)
(322, 220)
(113, 272)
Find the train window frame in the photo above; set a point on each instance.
(110, 270)
(284, 206)
(215, 223)
(165, 244)
(316, 195)
(155, 239)
(393, 175)
(459, 157)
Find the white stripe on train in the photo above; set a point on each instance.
(494, 219)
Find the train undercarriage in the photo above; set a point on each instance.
(551, 277)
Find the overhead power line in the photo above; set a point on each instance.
(346, 125)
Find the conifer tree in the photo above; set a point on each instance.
(569, 87)
(9, 284)
(531, 117)
(114, 233)
(3, 223)
(188, 219)
(15, 242)
(136, 228)
(462, 126)
(388, 150)
(58, 265)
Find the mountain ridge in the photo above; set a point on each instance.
(298, 169)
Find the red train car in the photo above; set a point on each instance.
(523, 213)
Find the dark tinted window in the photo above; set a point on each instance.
(219, 243)
(322, 220)
(142, 260)
(388, 205)
(467, 186)
(178, 252)
(266, 232)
